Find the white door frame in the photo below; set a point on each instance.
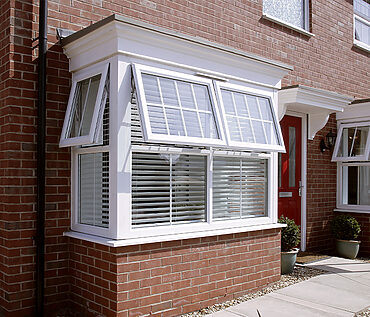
(303, 116)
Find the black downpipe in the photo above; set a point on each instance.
(41, 119)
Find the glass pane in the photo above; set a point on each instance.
(352, 185)
(175, 124)
(356, 185)
(353, 141)
(227, 99)
(292, 156)
(192, 124)
(241, 106)
(364, 185)
(157, 120)
(169, 94)
(253, 107)
(362, 8)
(94, 189)
(152, 94)
(179, 108)
(258, 132)
(265, 109)
(362, 32)
(202, 97)
(232, 123)
(290, 11)
(186, 95)
(246, 130)
(83, 106)
(208, 125)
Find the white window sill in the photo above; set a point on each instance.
(361, 45)
(164, 238)
(356, 211)
(288, 25)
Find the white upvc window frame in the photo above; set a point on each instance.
(358, 16)
(258, 93)
(93, 134)
(149, 136)
(363, 157)
(340, 189)
(356, 42)
(131, 232)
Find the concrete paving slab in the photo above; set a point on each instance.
(225, 313)
(326, 295)
(341, 265)
(273, 305)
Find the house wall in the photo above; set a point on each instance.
(327, 61)
(170, 278)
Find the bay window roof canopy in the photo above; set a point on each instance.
(172, 136)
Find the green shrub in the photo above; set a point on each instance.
(290, 235)
(345, 227)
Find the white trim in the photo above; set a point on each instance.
(98, 108)
(346, 209)
(144, 113)
(363, 157)
(303, 176)
(169, 237)
(287, 24)
(254, 92)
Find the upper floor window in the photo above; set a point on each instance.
(361, 30)
(290, 12)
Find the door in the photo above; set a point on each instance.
(289, 201)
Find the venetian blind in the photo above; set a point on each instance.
(239, 187)
(168, 189)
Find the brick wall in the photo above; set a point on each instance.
(326, 61)
(170, 278)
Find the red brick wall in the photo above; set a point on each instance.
(321, 191)
(326, 61)
(170, 278)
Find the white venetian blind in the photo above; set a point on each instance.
(93, 202)
(239, 188)
(168, 189)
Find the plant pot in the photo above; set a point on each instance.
(347, 248)
(288, 261)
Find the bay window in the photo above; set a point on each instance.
(169, 141)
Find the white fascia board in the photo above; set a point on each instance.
(317, 103)
(119, 37)
(355, 112)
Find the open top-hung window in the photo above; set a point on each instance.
(250, 119)
(177, 108)
(361, 9)
(353, 142)
(83, 120)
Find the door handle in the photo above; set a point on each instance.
(300, 188)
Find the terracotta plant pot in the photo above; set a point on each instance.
(347, 248)
(288, 261)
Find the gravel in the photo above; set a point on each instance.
(300, 273)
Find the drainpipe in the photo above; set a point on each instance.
(41, 119)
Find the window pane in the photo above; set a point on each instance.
(249, 118)
(168, 189)
(239, 188)
(179, 108)
(353, 141)
(292, 162)
(356, 185)
(94, 189)
(83, 106)
(362, 31)
(290, 11)
(362, 8)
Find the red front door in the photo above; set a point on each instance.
(289, 203)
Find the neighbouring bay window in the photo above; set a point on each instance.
(352, 154)
(361, 29)
(201, 152)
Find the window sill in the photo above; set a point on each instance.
(288, 25)
(356, 211)
(361, 45)
(164, 238)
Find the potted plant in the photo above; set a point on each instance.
(290, 237)
(346, 229)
